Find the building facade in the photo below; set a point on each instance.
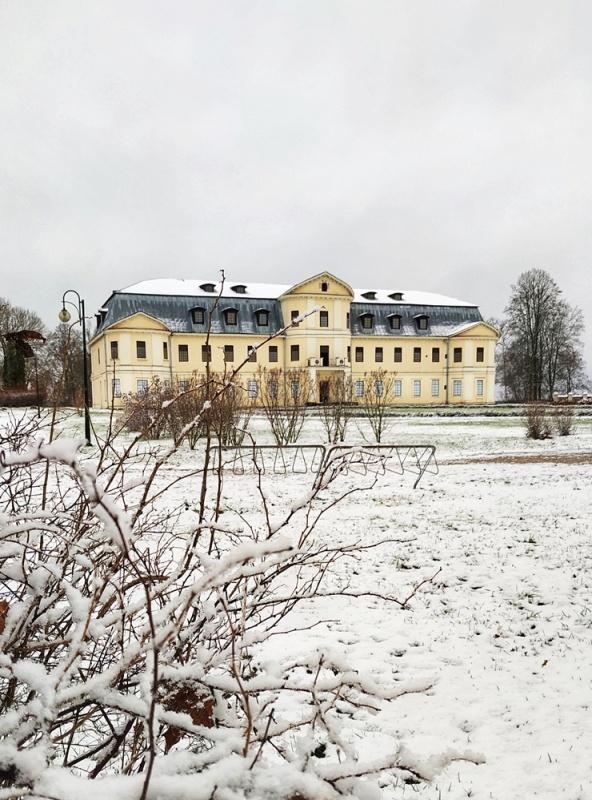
(429, 349)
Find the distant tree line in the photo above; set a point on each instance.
(540, 350)
(53, 365)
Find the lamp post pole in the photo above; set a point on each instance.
(65, 316)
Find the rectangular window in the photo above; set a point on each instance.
(479, 387)
(347, 319)
(367, 321)
(231, 316)
(395, 322)
(422, 323)
(457, 388)
(116, 387)
(457, 355)
(294, 352)
(324, 319)
(165, 351)
(228, 353)
(273, 388)
(416, 388)
(141, 349)
(273, 353)
(398, 354)
(359, 354)
(199, 316)
(183, 352)
(263, 318)
(252, 354)
(379, 388)
(184, 386)
(359, 388)
(378, 354)
(435, 354)
(480, 355)
(417, 354)
(295, 389)
(166, 383)
(435, 387)
(142, 387)
(206, 353)
(252, 389)
(398, 387)
(114, 350)
(294, 316)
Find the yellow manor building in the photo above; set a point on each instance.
(430, 350)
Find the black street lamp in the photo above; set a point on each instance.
(65, 316)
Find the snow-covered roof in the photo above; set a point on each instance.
(194, 288)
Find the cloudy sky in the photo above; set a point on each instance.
(437, 145)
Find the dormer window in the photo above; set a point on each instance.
(367, 321)
(198, 316)
(208, 287)
(369, 295)
(398, 296)
(394, 322)
(421, 320)
(262, 317)
(324, 286)
(231, 316)
(240, 288)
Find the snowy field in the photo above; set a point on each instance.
(500, 628)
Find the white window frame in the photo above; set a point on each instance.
(457, 388)
(141, 387)
(359, 388)
(398, 387)
(252, 389)
(479, 387)
(416, 388)
(379, 388)
(116, 387)
(435, 387)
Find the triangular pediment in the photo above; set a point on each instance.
(139, 320)
(473, 329)
(322, 284)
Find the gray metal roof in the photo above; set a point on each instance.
(174, 311)
(442, 320)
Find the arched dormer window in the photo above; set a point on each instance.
(230, 316)
(262, 317)
(240, 288)
(398, 296)
(369, 295)
(208, 287)
(394, 321)
(422, 321)
(367, 321)
(198, 316)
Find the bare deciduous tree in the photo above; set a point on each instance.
(542, 346)
(377, 392)
(337, 411)
(284, 395)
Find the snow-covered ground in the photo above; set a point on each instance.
(502, 631)
(501, 625)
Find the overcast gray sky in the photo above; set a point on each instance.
(437, 145)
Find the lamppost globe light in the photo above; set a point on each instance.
(64, 315)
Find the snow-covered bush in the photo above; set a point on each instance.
(131, 630)
(538, 421)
